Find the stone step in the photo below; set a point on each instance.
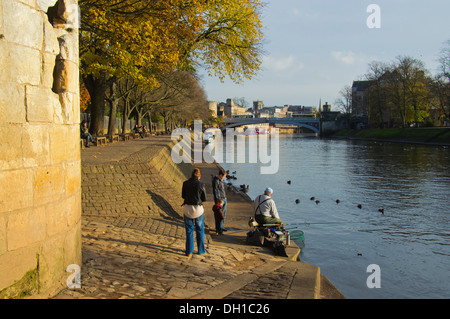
(280, 279)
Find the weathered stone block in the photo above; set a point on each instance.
(73, 143)
(24, 64)
(48, 184)
(57, 115)
(1, 18)
(22, 24)
(48, 65)
(62, 144)
(16, 190)
(12, 106)
(25, 228)
(67, 107)
(76, 109)
(51, 44)
(14, 264)
(11, 146)
(56, 217)
(30, 3)
(73, 239)
(35, 145)
(41, 104)
(74, 214)
(72, 178)
(3, 224)
(45, 4)
(66, 43)
(51, 261)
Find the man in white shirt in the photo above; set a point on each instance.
(265, 209)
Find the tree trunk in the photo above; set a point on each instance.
(138, 118)
(124, 122)
(112, 116)
(150, 123)
(97, 91)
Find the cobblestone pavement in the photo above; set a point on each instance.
(133, 261)
(133, 235)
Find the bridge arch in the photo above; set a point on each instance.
(274, 121)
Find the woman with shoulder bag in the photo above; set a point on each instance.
(194, 194)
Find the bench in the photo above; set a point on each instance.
(101, 140)
(113, 137)
(125, 137)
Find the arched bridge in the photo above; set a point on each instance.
(307, 122)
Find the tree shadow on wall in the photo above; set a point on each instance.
(164, 205)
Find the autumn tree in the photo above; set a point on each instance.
(179, 99)
(398, 90)
(184, 99)
(410, 89)
(143, 39)
(84, 98)
(127, 38)
(230, 42)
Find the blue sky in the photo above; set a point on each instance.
(315, 47)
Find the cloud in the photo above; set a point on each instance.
(346, 57)
(286, 65)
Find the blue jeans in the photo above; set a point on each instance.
(197, 225)
(88, 138)
(224, 208)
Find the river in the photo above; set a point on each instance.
(409, 241)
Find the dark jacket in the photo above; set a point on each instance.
(218, 213)
(193, 192)
(218, 187)
(82, 129)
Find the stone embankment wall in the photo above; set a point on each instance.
(40, 169)
(146, 184)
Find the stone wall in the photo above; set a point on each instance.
(40, 168)
(136, 186)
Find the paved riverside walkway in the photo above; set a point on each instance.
(133, 236)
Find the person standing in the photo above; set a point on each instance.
(194, 194)
(218, 187)
(218, 216)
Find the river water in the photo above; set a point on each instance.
(410, 242)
